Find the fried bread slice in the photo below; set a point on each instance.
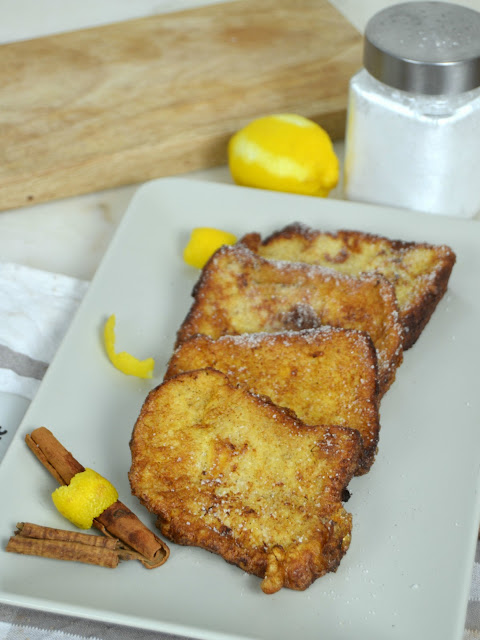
(241, 292)
(418, 271)
(326, 376)
(228, 471)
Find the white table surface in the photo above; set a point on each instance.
(70, 236)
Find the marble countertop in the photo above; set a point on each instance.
(70, 236)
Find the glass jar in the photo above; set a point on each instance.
(413, 123)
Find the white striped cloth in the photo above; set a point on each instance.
(35, 310)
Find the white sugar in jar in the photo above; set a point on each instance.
(413, 124)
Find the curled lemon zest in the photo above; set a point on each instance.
(123, 361)
(203, 243)
(85, 498)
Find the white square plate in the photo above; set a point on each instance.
(416, 514)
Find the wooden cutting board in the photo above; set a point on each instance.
(158, 96)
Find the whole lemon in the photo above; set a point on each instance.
(284, 152)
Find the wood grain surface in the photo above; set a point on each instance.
(131, 101)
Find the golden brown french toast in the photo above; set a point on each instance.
(228, 471)
(326, 376)
(241, 292)
(418, 271)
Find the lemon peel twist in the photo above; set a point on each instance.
(203, 243)
(123, 361)
(85, 498)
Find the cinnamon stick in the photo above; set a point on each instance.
(117, 521)
(54, 457)
(46, 542)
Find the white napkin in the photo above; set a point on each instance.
(35, 310)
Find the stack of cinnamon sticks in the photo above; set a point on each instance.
(125, 536)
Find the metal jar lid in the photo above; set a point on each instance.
(424, 47)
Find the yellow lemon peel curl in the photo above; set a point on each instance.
(85, 498)
(123, 361)
(203, 243)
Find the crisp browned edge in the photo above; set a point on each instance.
(368, 453)
(418, 316)
(386, 375)
(203, 277)
(339, 482)
(413, 318)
